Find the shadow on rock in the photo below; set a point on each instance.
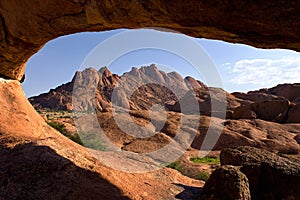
(28, 171)
(189, 192)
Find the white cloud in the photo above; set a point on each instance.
(266, 72)
(226, 64)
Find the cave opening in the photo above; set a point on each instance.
(242, 68)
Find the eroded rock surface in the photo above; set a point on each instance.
(26, 26)
(272, 110)
(226, 182)
(294, 113)
(270, 176)
(138, 89)
(142, 88)
(36, 160)
(279, 104)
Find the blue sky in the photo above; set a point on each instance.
(241, 67)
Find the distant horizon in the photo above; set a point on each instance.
(147, 65)
(241, 67)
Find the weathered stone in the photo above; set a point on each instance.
(254, 96)
(138, 89)
(26, 26)
(270, 110)
(36, 160)
(273, 110)
(297, 138)
(288, 91)
(226, 182)
(270, 176)
(270, 104)
(294, 114)
(209, 101)
(279, 92)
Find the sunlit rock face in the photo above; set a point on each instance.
(32, 150)
(26, 26)
(67, 169)
(142, 87)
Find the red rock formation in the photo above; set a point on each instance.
(288, 91)
(270, 176)
(27, 26)
(36, 159)
(151, 86)
(293, 114)
(272, 104)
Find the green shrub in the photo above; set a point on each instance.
(62, 129)
(76, 138)
(204, 176)
(93, 141)
(175, 165)
(206, 160)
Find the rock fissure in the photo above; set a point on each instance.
(4, 30)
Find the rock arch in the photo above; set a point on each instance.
(28, 24)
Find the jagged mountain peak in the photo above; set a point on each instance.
(105, 71)
(160, 86)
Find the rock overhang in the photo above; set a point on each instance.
(26, 26)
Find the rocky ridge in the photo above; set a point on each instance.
(151, 85)
(280, 138)
(280, 104)
(140, 89)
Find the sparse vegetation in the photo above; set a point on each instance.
(206, 160)
(204, 176)
(93, 141)
(175, 165)
(76, 139)
(62, 129)
(59, 127)
(52, 114)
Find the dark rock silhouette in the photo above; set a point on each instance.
(270, 176)
(226, 182)
(33, 172)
